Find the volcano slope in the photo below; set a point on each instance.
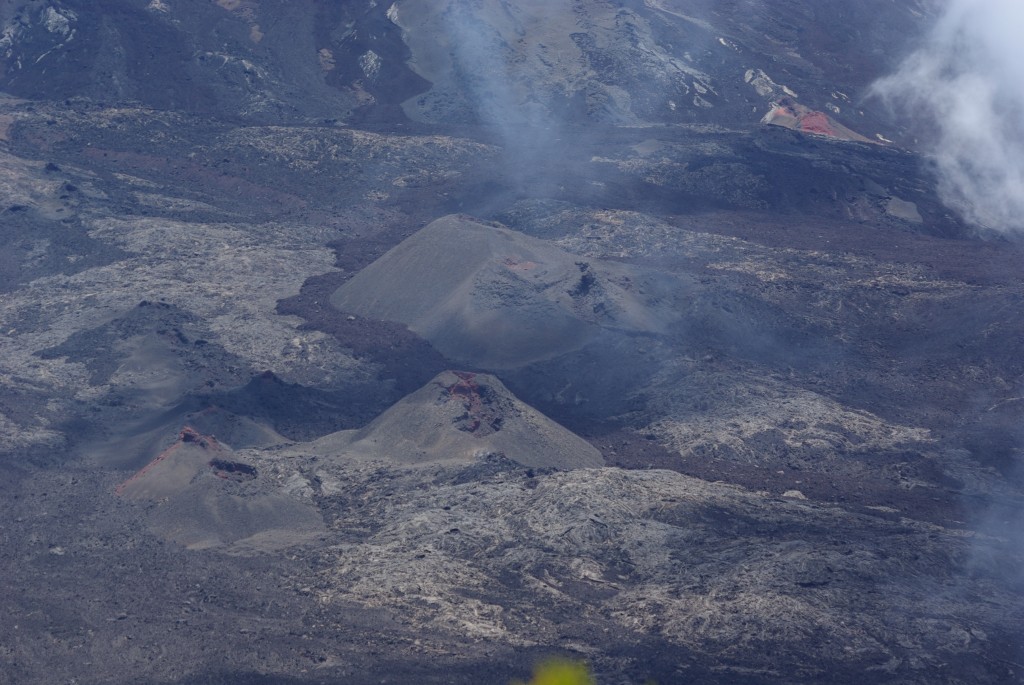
(463, 416)
(244, 243)
(495, 298)
(195, 506)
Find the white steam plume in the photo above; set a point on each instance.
(966, 86)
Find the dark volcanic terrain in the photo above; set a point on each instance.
(355, 342)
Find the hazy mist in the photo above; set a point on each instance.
(965, 89)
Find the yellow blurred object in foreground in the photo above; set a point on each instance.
(561, 672)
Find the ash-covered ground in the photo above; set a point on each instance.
(354, 342)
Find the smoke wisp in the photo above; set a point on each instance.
(965, 88)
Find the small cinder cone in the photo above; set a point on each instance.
(791, 114)
(202, 498)
(171, 472)
(494, 298)
(462, 416)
